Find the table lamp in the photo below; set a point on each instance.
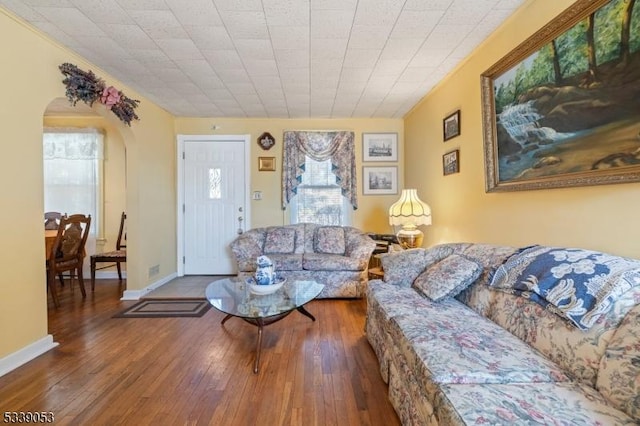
(409, 212)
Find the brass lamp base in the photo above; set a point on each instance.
(410, 238)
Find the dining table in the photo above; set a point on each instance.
(49, 239)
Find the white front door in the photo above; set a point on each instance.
(214, 191)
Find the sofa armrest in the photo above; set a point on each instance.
(248, 246)
(359, 246)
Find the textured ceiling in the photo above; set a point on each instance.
(272, 58)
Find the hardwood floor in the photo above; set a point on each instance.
(194, 371)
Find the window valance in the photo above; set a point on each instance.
(321, 146)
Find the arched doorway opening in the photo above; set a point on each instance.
(111, 197)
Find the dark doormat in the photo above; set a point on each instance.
(161, 308)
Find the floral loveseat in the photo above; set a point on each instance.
(336, 256)
(493, 354)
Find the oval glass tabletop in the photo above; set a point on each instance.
(233, 296)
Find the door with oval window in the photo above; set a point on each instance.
(214, 191)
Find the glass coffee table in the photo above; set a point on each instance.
(233, 297)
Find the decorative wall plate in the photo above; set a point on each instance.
(266, 141)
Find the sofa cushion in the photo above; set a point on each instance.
(286, 262)
(329, 240)
(403, 267)
(619, 374)
(447, 277)
(525, 404)
(453, 344)
(579, 285)
(330, 262)
(279, 240)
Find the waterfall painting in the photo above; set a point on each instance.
(563, 108)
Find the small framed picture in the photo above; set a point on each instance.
(267, 164)
(380, 180)
(451, 126)
(451, 162)
(380, 146)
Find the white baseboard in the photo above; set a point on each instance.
(26, 354)
(109, 275)
(137, 294)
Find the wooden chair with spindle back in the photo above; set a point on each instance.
(68, 251)
(116, 256)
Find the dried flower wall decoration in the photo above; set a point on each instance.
(85, 86)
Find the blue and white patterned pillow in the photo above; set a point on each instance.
(579, 285)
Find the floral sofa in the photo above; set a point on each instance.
(481, 334)
(336, 256)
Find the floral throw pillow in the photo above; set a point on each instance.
(280, 240)
(448, 277)
(329, 240)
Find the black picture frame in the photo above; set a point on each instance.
(451, 126)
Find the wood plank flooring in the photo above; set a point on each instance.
(193, 371)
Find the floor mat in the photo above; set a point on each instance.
(161, 308)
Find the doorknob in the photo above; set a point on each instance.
(240, 219)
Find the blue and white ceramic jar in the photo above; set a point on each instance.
(265, 273)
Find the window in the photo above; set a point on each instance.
(319, 199)
(73, 173)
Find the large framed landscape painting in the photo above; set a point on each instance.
(563, 108)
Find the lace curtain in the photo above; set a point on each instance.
(337, 146)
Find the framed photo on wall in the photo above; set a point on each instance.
(451, 162)
(451, 126)
(380, 146)
(380, 180)
(267, 164)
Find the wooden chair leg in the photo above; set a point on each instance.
(81, 282)
(51, 283)
(119, 270)
(93, 274)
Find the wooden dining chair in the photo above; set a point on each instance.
(52, 220)
(68, 251)
(116, 256)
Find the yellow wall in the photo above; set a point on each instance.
(29, 81)
(371, 215)
(597, 217)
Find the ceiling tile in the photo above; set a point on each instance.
(74, 22)
(361, 58)
(292, 58)
(261, 67)
(209, 37)
(103, 11)
(159, 24)
(334, 4)
(331, 24)
(377, 12)
(178, 49)
(416, 23)
(143, 4)
(369, 36)
(128, 36)
(48, 3)
(195, 12)
(24, 11)
(240, 25)
(292, 37)
(286, 12)
(254, 49)
(242, 5)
